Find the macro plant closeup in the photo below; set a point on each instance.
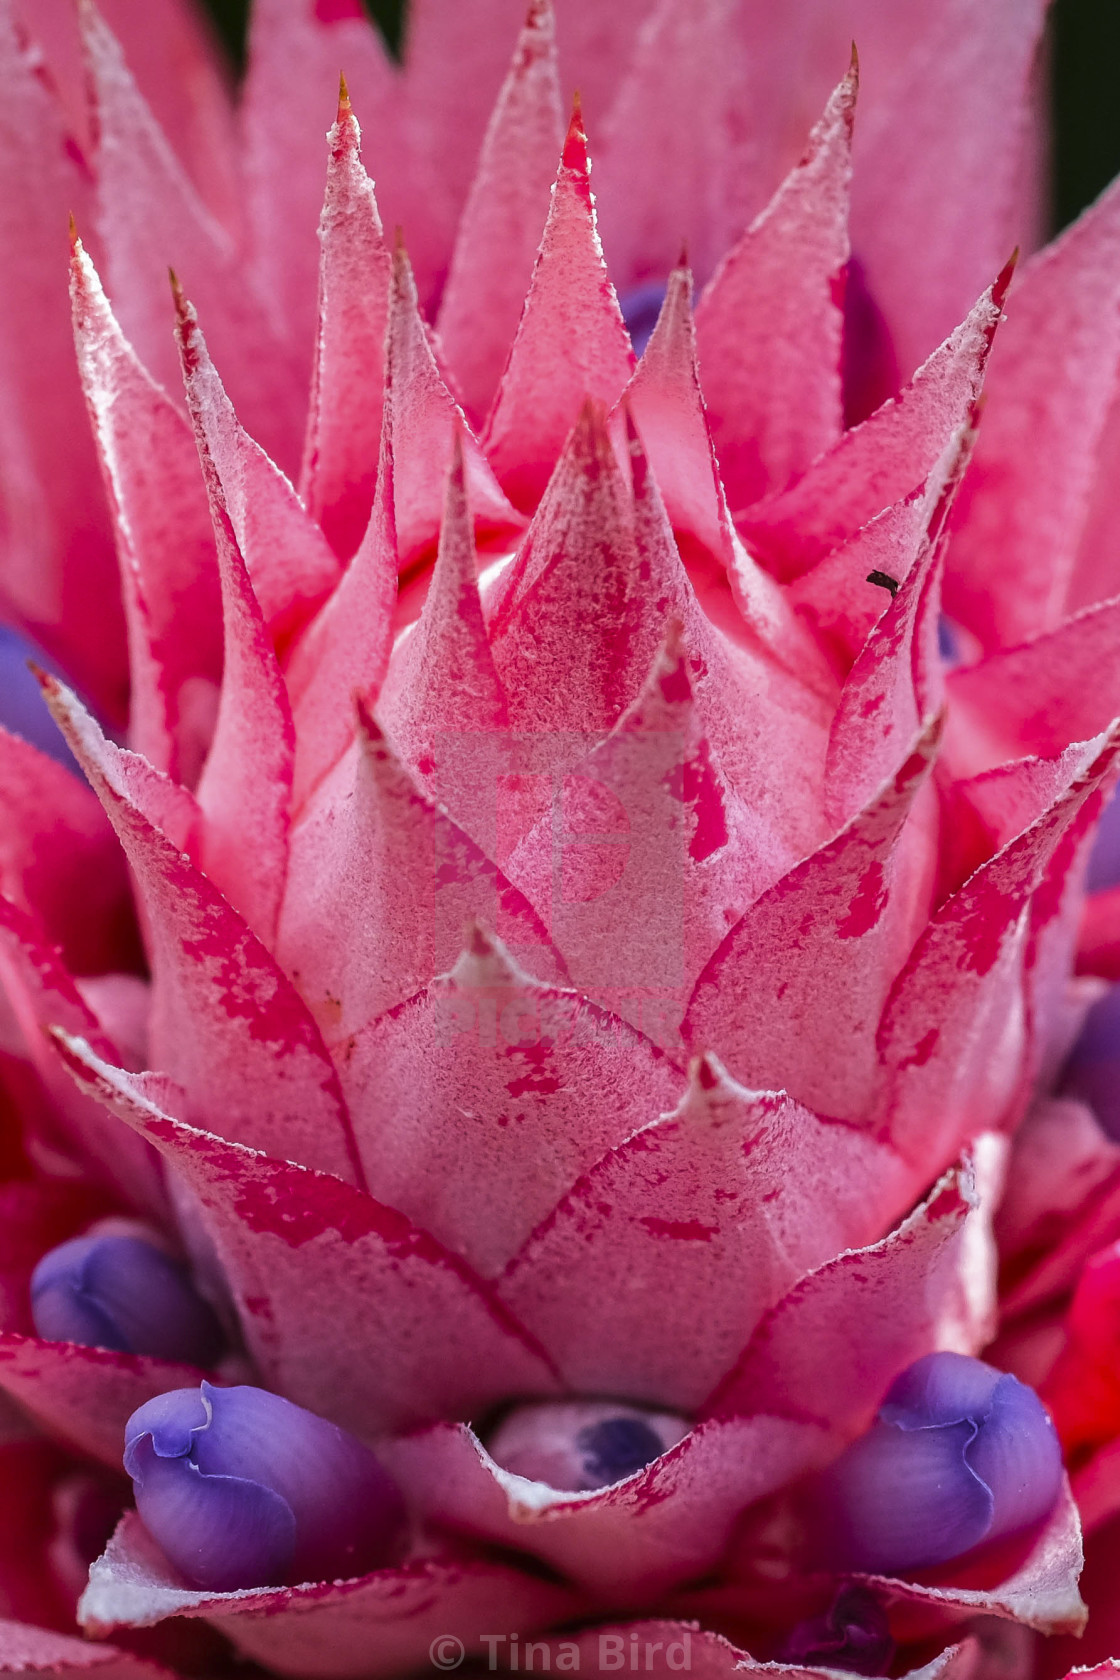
(559, 854)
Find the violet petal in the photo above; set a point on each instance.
(121, 1292)
(959, 1454)
(212, 1462)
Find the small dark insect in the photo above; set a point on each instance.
(884, 581)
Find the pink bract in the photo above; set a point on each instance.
(548, 920)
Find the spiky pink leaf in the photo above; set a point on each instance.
(374, 854)
(58, 859)
(454, 62)
(149, 218)
(887, 457)
(892, 691)
(424, 419)
(706, 1212)
(345, 650)
(849, 913)
(443, 703)
(179, 67)
(494, 1075)
(571, 345)
(952, 1037)
(836, 596)
(665, 400)
(411, 1334)
(169, 575)
(989, 810)
(1024, 503)
(683, 101)
(244, 792)
(758, 678)
(827, 1353)
(1022, 699)
(43, 994)
(577, 582)
(227, 1024)
(956, 110)
(59, 578)
(291, 565)
(344, 419)
(296, 50)
(504, 215)
(768, 327)
(654, 839)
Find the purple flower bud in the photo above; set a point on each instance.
(852, 1634)
(640, 308)
(244, 1489)
(1092, 1071)
(579, 1445)
(959, 1454)
(121, 1292)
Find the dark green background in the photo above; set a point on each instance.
(1085, 58)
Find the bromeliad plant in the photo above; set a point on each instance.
(510, 1071)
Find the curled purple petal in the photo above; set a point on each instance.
(959, 1454)
(1092, 1070)
(242, 1488)
(580, 1445)
(121, 1292)
(222, 1532)
(853, 1634)
(640, 308)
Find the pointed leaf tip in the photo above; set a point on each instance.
(477, 940)
(704, 1070)
(575, 156)
(1004, 278)
(370, 731)
(344, 105)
